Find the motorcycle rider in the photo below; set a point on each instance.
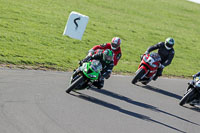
(166, 52)
(114, 46)
(197, 99)
(196, 75)
(106, 59)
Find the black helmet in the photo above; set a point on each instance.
(169, 43)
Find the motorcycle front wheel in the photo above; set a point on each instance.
(75, 84)
(188, 97)
(139, 74)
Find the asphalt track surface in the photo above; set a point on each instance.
(35, 102)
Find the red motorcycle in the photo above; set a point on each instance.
(148, 68)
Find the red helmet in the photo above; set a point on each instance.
(115, 43)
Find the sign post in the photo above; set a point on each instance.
(76, 25)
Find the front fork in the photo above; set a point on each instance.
(75, 75)
(146, 70)
(190, 85)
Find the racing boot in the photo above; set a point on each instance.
(99, 84)
(155, 78)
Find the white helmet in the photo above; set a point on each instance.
(169, 43)
(115, 43)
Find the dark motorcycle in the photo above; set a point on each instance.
(192, 95)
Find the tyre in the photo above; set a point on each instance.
(75, 84)
(188, 97)
(75, 76)
(139, 74)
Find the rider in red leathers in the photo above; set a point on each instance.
(114, 46)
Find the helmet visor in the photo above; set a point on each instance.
(169, 45)
(108, 58)
(114, 45)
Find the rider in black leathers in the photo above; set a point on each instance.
(166, 52)
(196, 75)
(106, 59)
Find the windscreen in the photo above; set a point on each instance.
(155, 56)
(96, 65)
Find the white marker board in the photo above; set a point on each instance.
(76, 25)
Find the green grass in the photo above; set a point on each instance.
(31, 32)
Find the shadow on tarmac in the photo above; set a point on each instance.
(164, 92)
(194, 108)
(121, 110)
(169, 94)
(140, 104)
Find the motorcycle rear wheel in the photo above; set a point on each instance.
(75, 84)
(139, 74)
(188, 97)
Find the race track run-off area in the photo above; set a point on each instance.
(35, 102)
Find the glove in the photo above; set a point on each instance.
(161, 66)
(81, 62)
(86, 59)
(141, 56)
(194, 76)
(90, 54)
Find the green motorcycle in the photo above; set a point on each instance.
(85, 75)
